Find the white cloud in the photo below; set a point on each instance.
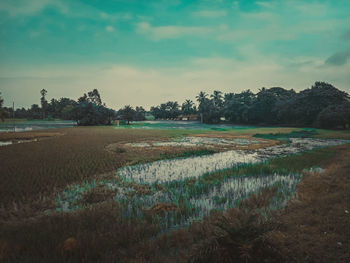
(115, 16)
(268, 16)
(265, 4)
(210, 13)
(109, 28)
(308, 8)
(24, 7)
(164, 32)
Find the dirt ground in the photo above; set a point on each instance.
(315, 226)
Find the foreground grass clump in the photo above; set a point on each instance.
(190, 153)
(101, 234)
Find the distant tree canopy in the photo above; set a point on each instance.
(43, 101)
(89, 110)
(322, 105)
(2, 111)
(171, 109)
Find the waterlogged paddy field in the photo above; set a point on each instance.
(176, 183)
(182, 125)
(25, 126)
(115, 185)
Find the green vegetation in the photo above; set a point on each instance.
(322, 105)
(304, 133)
(117, 220)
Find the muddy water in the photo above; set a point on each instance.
(4, 143)
(179, 169)
(34, 126)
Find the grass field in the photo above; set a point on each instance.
(104, 228)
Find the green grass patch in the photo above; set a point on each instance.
(305, 133)
(195, 187)
(189, 153)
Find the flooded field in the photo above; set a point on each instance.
(183, 125)
(196, 141)
(83, 185)
(179, 169)
(4, 143)
(184, 204)
(27, 126)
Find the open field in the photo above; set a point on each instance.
(62, 199)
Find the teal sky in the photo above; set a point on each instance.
(147, 52)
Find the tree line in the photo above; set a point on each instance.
(322, 105)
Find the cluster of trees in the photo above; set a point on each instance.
(87, 110)
(55, 109)
(128, 114)
(2, 111)
(172, 109)
(322, 105)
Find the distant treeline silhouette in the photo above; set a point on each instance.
(322, 105)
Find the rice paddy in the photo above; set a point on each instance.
(165, 182)
(181, 177)
(25, 126)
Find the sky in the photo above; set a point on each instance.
(146, 52)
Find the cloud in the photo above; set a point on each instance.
(210, 13)
(310, 9)
(115, 16)
(269, 16)
(171, 32)
(265, 4)
(109, 28)
(339, 58)
(346, 35)
(24, 7)
(119, 83)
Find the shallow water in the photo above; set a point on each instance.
(4, 143)
(182, 125)
(196, 141)
(196, 203)
(34, 126)
(179, 169)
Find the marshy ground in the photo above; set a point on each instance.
(110, 221)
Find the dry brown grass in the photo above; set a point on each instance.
(7, 136)
(315, 226)
(30, 170)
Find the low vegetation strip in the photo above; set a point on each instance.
(116, 219)
(244, 230)
(195, 197)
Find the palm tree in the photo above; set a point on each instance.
(201, 96)
(188, 107)
(43, 101)
(217, 98)
(2, 113)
